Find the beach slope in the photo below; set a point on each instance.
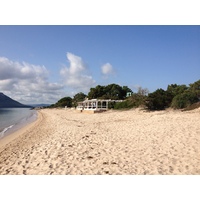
(114, 142)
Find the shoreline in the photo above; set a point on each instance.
(18, 124)
(19, 130)
(133, 142)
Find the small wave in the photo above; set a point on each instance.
(4, 130)
(19, 124)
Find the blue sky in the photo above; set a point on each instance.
(41, 64)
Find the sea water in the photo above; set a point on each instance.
(12, 119)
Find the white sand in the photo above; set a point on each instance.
(114, 142)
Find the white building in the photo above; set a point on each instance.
(95, 105)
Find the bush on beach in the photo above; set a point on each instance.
(176, 96)
(184, 100)
(158, 100)
(192, 107)
(134, 101)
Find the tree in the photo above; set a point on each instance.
(158, 100)
(175, 89)
(195, 88)
(114, 91)
(126, 89)
(96, 92)
(66, 101)
(78, 97)
(111, 91)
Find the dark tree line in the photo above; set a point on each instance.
(112, 91)
(176, 96)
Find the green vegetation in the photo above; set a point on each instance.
(195, 88)
(184, 100)
(112, 91)
(77, 98)
(66, 101)
(192, 107)
(176, 96)
(135, 100)
(158, 100)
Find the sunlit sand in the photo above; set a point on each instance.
(114, 142)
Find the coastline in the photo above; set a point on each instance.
(16, 123)
(131, 142)
(21, 129)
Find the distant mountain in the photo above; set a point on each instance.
(40, 105)
(7, 102)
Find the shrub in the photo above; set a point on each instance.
(195, 88)
(175, 89)
(137, 100)
(111, 105)
(123, 105)
(158, 100)
(184, 100)
(193, 106)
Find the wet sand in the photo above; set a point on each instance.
(114, 142)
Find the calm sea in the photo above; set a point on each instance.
(12, 119)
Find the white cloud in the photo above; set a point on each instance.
(10, 69)
(107, 69)
(76, 75)
(27, 83)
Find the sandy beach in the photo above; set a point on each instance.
(134, 142)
